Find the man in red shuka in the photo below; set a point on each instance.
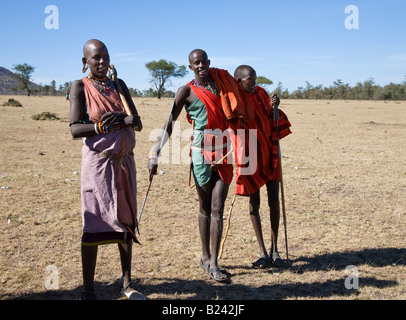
(268, 162)
(212, 102)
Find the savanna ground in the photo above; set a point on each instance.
(345, 183)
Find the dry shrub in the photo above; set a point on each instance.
(45, 116)
(12, 103)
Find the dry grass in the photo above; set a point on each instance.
(345, 183)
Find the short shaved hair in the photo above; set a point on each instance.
(239, 72)
(198, 51)
(94, 43)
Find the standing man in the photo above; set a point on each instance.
(212, 103)
(268, 169)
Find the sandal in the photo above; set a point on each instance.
(261, 263)
(277, 261)
(131, 293)
(218, 275)
(205, 267)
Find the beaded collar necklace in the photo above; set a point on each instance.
(101, 84)
(209, 85)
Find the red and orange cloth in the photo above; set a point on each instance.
(266, 154)
(237, 107)
(225, 112)
(234, 109)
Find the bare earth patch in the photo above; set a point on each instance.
(345, 185)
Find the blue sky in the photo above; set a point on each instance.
(287, 41)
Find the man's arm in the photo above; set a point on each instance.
(183, 97)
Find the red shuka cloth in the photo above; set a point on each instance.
(265, 160)
(230, 108)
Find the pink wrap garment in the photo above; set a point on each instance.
(108, 173)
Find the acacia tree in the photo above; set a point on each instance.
(263, 82)
(161, 71)
(23, 73)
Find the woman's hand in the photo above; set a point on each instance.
(111, 117)
(134, 121)
(126, 121)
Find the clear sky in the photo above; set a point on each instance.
(291, 41)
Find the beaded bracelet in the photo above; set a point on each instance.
(152, 155)
(101, 128)
(98, 128)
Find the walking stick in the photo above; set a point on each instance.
(228, 227)
(113, 74)
(151, 177)
(143, 205)
(276, 117)
(149, 185)
(190, 154)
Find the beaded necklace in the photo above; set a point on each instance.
(206, 85)
(103, 85)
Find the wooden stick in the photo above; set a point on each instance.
(120, 90)
(191, 163)
(224, 157)
(143, 205)
(283, 210)
(276, 117)
(227, 228)
(193, 185)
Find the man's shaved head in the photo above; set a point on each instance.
(199, 63)
(246, 77)
(242, 70)
(198, 51)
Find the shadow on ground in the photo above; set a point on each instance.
(207, 290)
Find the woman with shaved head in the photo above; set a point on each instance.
(108, 173)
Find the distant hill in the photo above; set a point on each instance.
(7, 81)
